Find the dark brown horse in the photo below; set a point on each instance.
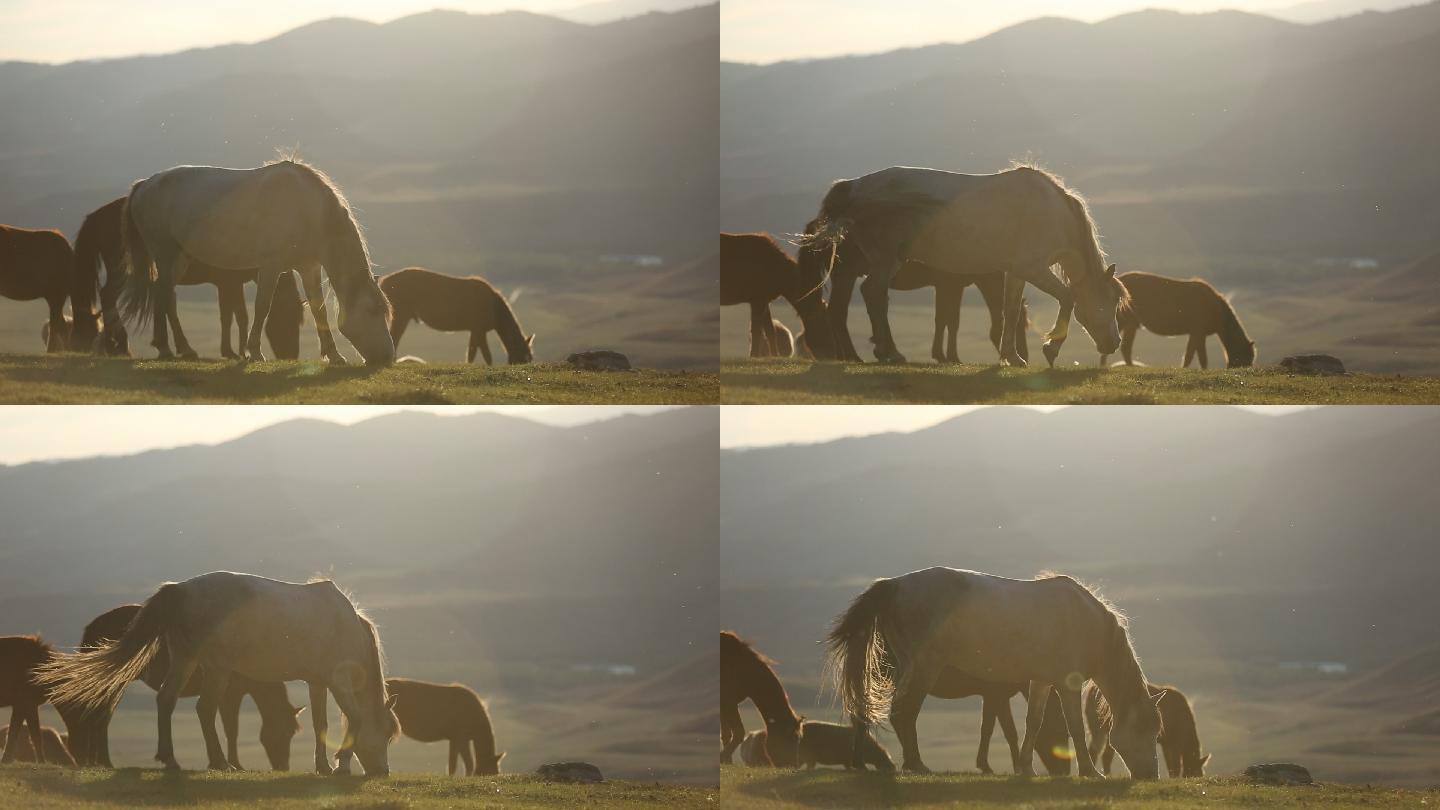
(51, 741)
(100, 245)
(38, 264)
(431, 712)
(747, 675)
(822, 744)
(1179, 738)
(19, 658)
(279, 720)
(954, 684)
(754, 270)
(455, 304)
(1169, 307)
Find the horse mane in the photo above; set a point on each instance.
(1078, 206)
(342, 225)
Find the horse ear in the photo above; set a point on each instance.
(1110, 271)
(1159, 696)
(299, 711)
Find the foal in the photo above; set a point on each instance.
(952, 684)
(1179, 739)
(754, 270)
(51, 742)
(38, 264)
(454, 304)
(1169, 307)
(430, 712)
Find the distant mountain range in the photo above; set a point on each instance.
(532, 150)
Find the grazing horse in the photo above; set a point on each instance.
(430, 712)
(279, 721)
(754, 270)
(263, 629)
(453, 304)
(896, 638)
(1179, 740)
(952, 684)
(1019, 222)
(21, 657)
(51, 741)
(746, 674)
(281, 216)
(38, 264)
(821, 744)
(1169, 307)
(100, 243)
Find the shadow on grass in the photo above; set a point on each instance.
(872, 789)
(183, 379)
(165, 788)
(911, 382)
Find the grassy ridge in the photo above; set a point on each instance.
(764, 788)
(800, 382)
(84, 379)
(47, 787)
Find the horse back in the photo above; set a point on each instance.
(19, 656)
(34, 263)
(432, 711)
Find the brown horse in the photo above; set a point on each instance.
(20, 656)
(51, 741)
(821, 744)
(747, 675)
(431, 712)
(38, 264)
(754, 270)
(1169, 307)
(952, 684)
(279, 720)
(1179, 739)
(454, 304)
(100, 243)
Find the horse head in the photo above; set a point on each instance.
(1098, 299)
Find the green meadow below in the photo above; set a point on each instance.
(834, 788)
(46, 787)
(85, 379)
(764, 382)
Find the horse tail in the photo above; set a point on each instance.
(85, 290)
(96, 678)
(861, 649)
(142, 286)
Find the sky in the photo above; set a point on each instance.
(52, 432)
(775, 30)
(764, 426)
(66, 30)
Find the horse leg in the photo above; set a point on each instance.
(992, 291)
(266, 279)
(102, 740)
(59, 331)
(182, 345)
(875, 289)
(181, 668)
(1174, 767)
(1014, 294)
(454, 757)
(841, 288)
(732, 731)
(310, 277)
(1200, 351)
(904, 712)
(1099, 747)
(952, 355)
(319, 720)
(1189, 351)
(1127, 344)
(230, 721)
(1071, 704)
(212, 690)
(468, 759)
(228, 294)
(1045, 280)
(987, 728)
(937, 343)
(1034, 717)
(1012, 739)
(485, 349)
(398, 322)
(760, 326)
(1108, 758)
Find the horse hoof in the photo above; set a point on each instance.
(338, 360)
(189, 354)
(1051, 352)
(1015, 362)
(324, 770)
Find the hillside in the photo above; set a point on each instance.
(541, 153)
(1286, 163)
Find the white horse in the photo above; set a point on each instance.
(1019, 222)
(261, 628)
(889, 648)
(280, 216)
